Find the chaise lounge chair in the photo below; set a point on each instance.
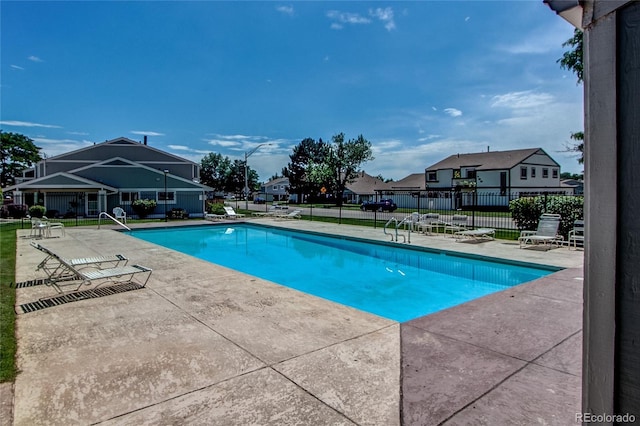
(295, 214)
(213, 216)
(547, 232)
(75, 276)
(231, 214)
(54, 268)
(480, 234)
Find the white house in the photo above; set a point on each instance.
(492, 178)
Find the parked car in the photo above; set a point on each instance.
(382, 206)
(259, 200)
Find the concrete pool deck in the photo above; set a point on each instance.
(206, 345)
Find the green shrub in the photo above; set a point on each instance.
(37, 211)
(143, 207)
(526, 211)
(216, 208)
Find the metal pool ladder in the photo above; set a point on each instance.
(398, 224)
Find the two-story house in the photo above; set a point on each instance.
(492, 178)
(113, 173)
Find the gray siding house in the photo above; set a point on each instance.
(113, 173)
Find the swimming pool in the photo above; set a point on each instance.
(394, 282)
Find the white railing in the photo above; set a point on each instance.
(107, 215)
(398, 224)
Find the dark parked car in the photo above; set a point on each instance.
(259, 200)
(381, 206)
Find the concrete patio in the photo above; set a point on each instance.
(206, 345)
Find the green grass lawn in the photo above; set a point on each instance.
(7, 301)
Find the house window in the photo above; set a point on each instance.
(432, 176)
(523, 172)
(545, 173)
(168, 197)
(128, 197)
(471, 174)
(533, 172)
(274, 187)
(554, 173)
(282, 187)
(503, 183)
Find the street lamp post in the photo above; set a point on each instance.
(248, 154)
(165, 194)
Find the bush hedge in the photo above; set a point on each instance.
(526, 211)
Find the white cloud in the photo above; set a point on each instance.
(223, 143)
(28, 124)
(521, 100)
(34, 59)
(78, 133)
(540, 40)
(385, 15)
(52, 147)
(285, 10)
(16, 67)
(341, 18)
(453, 112)
(146, 133)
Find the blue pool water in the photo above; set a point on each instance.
(394, 282)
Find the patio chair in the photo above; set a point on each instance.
(53, 225)
(411, 221)
(429, 222)
(547, 232)
(120, 214)
(231, 214)
(39, 228)
(54, 268)
(295, 214)
(75, 276)
(458, 223)
(576, 234)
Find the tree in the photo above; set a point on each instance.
(214, 169)
(572, 61)
(344, 161)
(222, 175)
(305, 156)
(17, 153)
(235, 178)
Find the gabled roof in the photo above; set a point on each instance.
(80, 154)
(413, 181)
(278, 181)
(60, 182)
(487, 160)
(364, 184)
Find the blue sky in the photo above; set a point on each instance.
(419, 80)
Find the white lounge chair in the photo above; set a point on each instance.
(547, 232)
(54, 268)
(120, 214)
(75, 276)
(231, 214)
(213, 216)
(576, 234)
(273, 210)
(295, 214)
(479, 234)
